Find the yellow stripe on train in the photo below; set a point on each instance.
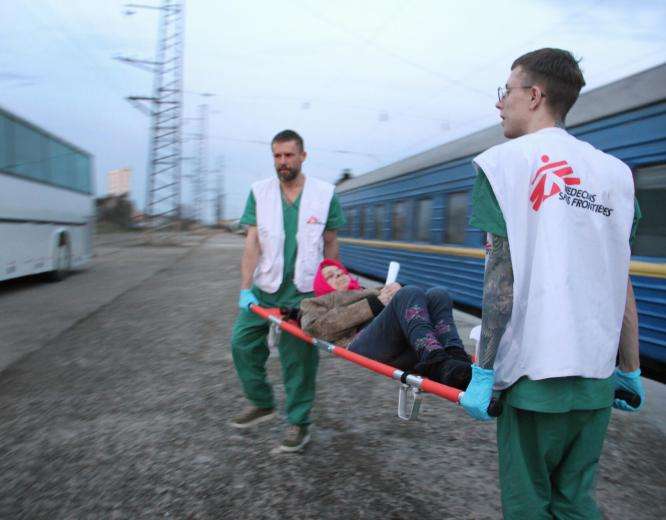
(637, 268)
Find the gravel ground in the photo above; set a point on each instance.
(125, 415)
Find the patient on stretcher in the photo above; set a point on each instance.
(405, 327)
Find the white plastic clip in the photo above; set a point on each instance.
(475, 335)
(409, 402)
(274, 333)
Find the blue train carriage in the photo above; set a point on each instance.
(417, 210)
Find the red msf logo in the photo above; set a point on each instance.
(550, 180)
(312, 220)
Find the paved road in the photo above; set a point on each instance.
(119, 409)
(34, 312)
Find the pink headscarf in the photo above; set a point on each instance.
(322, 287)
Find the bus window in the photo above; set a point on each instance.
(650, 185)
(82, 174)
(423, 220)
(62, 164)
(5, 139)
(380, 218)
(29, 148)
(399, 220)
(456, 218)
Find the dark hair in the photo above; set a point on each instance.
(559, 74)
(288, 135)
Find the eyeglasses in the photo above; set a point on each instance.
(502, 92)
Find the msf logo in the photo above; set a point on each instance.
(313, 220)
(550, 180)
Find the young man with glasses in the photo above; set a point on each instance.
(559, 215)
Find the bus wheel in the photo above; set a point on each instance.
(63, 262)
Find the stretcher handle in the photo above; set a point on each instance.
(494, 408)
(632, 399)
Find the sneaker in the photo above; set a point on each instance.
(295, 439)
(252, 416)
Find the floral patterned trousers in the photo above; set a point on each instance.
(409, 328)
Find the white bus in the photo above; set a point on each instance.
(46, 204)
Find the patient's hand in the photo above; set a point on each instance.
(388, 292)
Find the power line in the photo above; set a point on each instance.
(327, 150)
(408, 61)
(67, 37)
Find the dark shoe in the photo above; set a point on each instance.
(295, 438)
(429, 365)
(458, 353)
(455, 373)
(252, 416)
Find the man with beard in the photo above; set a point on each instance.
(292, 221)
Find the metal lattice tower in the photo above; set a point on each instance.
(163, 191)
(219, 196)
(201, 172)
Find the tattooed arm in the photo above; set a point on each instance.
(497, 300)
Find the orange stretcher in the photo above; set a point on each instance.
(411, 385)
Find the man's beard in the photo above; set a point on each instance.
(288, 174)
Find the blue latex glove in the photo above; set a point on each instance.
(477, 397)
(246, 298)
(630, 381)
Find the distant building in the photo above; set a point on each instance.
(119, 181)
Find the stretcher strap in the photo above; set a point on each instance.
(422, 383)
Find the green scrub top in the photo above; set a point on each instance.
(287, 294)
(554, 395)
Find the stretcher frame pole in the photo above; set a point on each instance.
(412, 382)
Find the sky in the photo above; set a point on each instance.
(365, 82)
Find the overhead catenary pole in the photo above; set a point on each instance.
(165, 107)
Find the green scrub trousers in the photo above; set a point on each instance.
(299, 367)
(548, 460)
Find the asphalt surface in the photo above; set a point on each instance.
(118, 386)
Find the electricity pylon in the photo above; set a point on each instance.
(201, 172)
(219, 195)
(165, 108)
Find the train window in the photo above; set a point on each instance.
(361, 222)
(399, 220)
(423, 220)
(456, 218)
(350, 213)
(380, 221)
(651, 192)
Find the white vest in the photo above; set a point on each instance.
(312, 214)
(568, 209)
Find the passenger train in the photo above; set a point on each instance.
(417, 210)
